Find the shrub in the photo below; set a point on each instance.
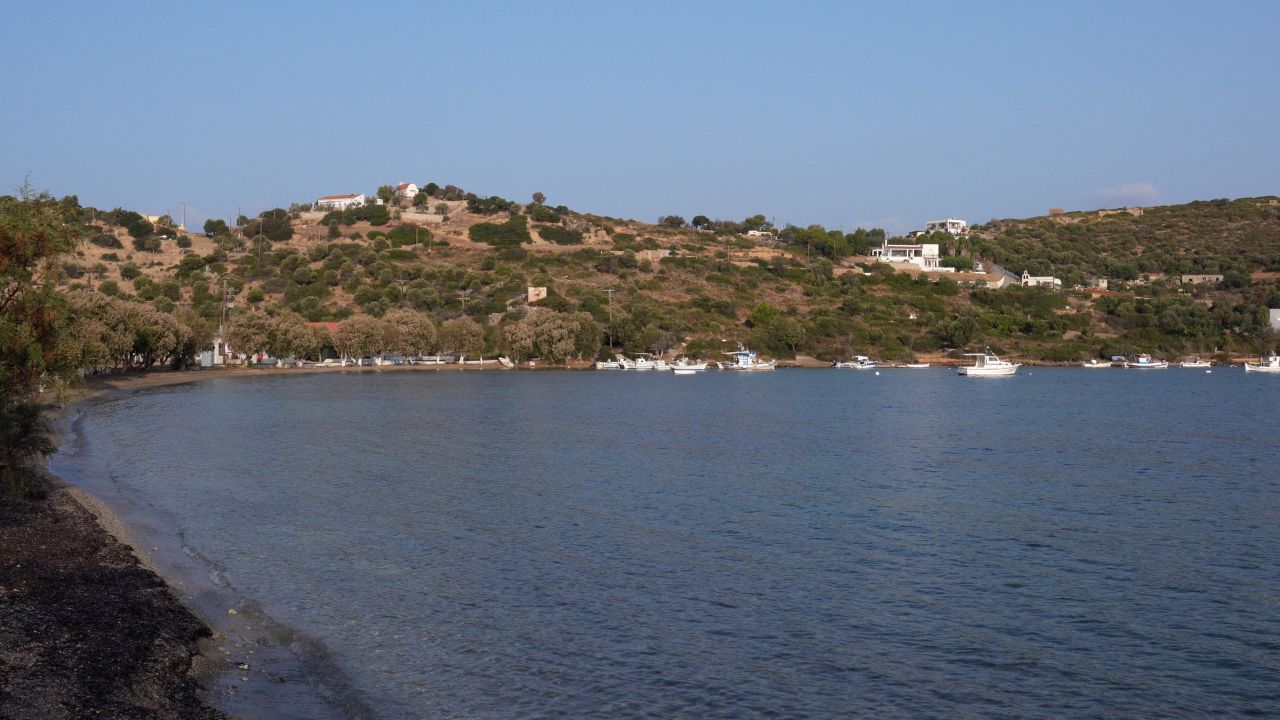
(512, 233)
(560, 235)
(106, 240)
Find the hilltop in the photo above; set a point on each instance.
(707, 285)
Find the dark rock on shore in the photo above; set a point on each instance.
(85, 630)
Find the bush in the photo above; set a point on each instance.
(106, 240)
(512, 233)
(560, 235)
(958, 262)
(542, 213)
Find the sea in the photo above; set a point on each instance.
(794, 544)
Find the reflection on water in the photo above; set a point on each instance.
(793, 544)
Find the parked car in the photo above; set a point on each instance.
(366, 361)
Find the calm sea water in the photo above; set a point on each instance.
(1064, 543)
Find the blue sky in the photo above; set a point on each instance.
(839, 113)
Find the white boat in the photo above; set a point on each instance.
(505, 362)
(682, 370)
(608, 365)
(1268, 364)
(640, 362)
(916, 366)
(1144, 362)
(683, 366)
(988, 365)
(747, 361)
(1093, 363)
(1195, 362)
(661, 364)
(859, 362)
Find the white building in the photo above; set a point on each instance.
(1029, 281)
(923, 256)
(340, 202)
(950, 225)
(1273, 315)
(408, 191)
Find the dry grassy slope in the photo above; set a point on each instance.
(675, 284)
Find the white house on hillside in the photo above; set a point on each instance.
(408, 191)
(950, 225)
(1029, 281)
(340, 202)
(924, 256)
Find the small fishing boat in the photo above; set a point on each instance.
(1268, 364)
(682, 370)
(916, 366)
(859, 362)
(608, 365)
(1195, 362)
(988, 364)
(1144, 362)
(1094, 364)
(683, 366)
(746, 361)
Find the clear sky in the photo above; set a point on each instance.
(840, 113)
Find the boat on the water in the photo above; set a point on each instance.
(640, 362)
(988, 364)
(859, 362)
(916, 366)
(683, 366)
(1094, 363)
(682, 370)
(1195, 362)
(746, 361)
(608, 365)
(1145, 362)
(1268, 364)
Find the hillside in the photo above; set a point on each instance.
(794, 290)
(1214, 237)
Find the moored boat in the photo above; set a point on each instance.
(1145, 362)
(1195, 362)
(683, 366)
(988, 364)
(1093, 363)
(1268, 364)
(747, 361)
(859, 362)
(916, 366)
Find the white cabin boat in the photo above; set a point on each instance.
(859, 362)
(1268, 364)
(1195, 362)
(1144, 362)
(1095, 364)
(746, 361)
(988, 365)
(608, 365)
(683, 366)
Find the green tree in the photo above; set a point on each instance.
(215, 226)
(35, 230)
(408, 332)
(462, 335)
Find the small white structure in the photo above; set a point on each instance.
(340, 202)
(760, 234)
(953, 226)
(1030, 281)
(923, 256)
(1274, 318)
(536, 293)
(408, 191)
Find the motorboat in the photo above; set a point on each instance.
(859, 362)
(916, 366)
(1094, 363)
(747, 361)
(1144, 362)
(640, 362)
(608, 365)
(988, 365)
(1195, 362)
(682, 370)
(1268, 364)
(683, 366)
